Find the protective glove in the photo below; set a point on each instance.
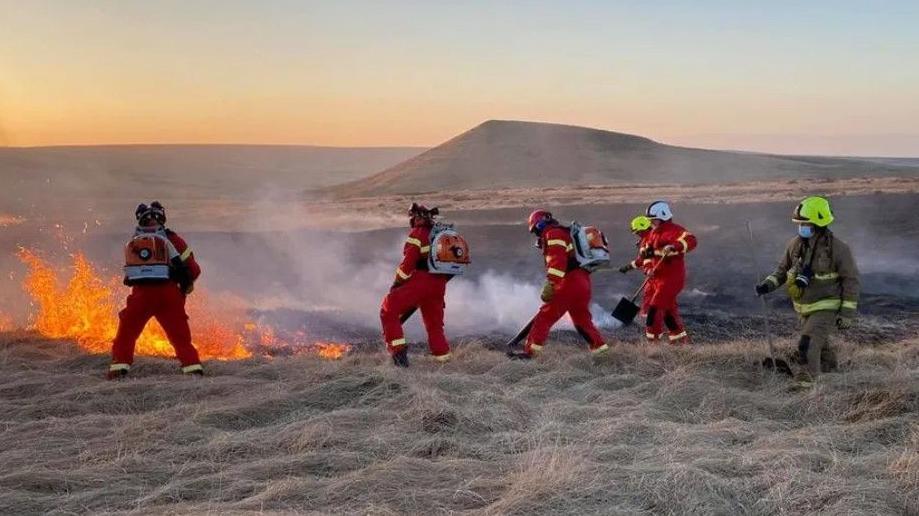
(398, 282)
(844, 323)
(762, 288)
(626, 268)
(188, 289)
(669, 250)
(548, 291)
(647, 252)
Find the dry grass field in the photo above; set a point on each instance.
(642, 431)
(645, 430)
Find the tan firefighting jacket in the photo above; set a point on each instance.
(833, 275)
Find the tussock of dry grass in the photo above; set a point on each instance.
(654, 431)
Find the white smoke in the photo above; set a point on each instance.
(495, 302)
(334, 280)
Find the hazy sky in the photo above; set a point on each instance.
(785, 76)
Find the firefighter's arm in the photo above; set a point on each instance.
(682, 244)
(556, 254)
(639, 260)
(848, 279)
(777, 278)
(411, 253)
(185, 265)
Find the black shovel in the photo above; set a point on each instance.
(626, 310)
(522, 334)
(408, 315)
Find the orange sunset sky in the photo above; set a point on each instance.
(814, 77)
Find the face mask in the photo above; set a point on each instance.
(540, 227)
(805, 231)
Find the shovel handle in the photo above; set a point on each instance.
(522, 334)
(408, 315)
(648, 278)
(766, 326)
(640, 288)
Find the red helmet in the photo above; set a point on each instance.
(538, 220)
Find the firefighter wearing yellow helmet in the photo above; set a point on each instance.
(641, 228)
(822, 280)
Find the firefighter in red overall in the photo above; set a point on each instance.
(415, 287)
(161, 271)
(666, 247)
(641, 228)
(567, 288)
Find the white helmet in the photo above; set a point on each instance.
(659, 210)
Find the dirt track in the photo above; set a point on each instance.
(337, 212)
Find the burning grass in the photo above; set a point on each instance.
(83, 306)
(657, 430)
(10, 220)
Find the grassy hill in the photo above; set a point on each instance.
(510, 154)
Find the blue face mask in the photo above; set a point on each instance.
(805, 231)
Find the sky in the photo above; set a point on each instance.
(817, 77)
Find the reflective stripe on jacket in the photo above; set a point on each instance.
(414, 252)
(834, 279)
(558, 251)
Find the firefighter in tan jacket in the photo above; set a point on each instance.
(822, 280)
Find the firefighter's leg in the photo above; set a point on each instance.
(665, 300)
(657, 305)
(674, 323)
(815, 338)
(549, 313)
(579, 310)
(646, 300)
(828, 361)
(174, 320)
(432, 313)
(661, 301)
(131, 322)
(397, 302)
(654, 323)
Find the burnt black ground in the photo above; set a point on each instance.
(718, 302)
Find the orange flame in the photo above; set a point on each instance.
(331, 350)
(85, 308)
(267, 339)
(10, 220)
(6, 322)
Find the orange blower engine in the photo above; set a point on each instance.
(449, 251)
(147, 258)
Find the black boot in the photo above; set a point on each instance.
(116, 374)
(400, 358)
(779, 365)
(519, 355)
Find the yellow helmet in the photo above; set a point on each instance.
(814, 210)
(640, 223)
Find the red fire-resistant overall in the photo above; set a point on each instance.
(165, 301)
(667, 281)
(572, 293)
(415, 287)
(644, 265)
